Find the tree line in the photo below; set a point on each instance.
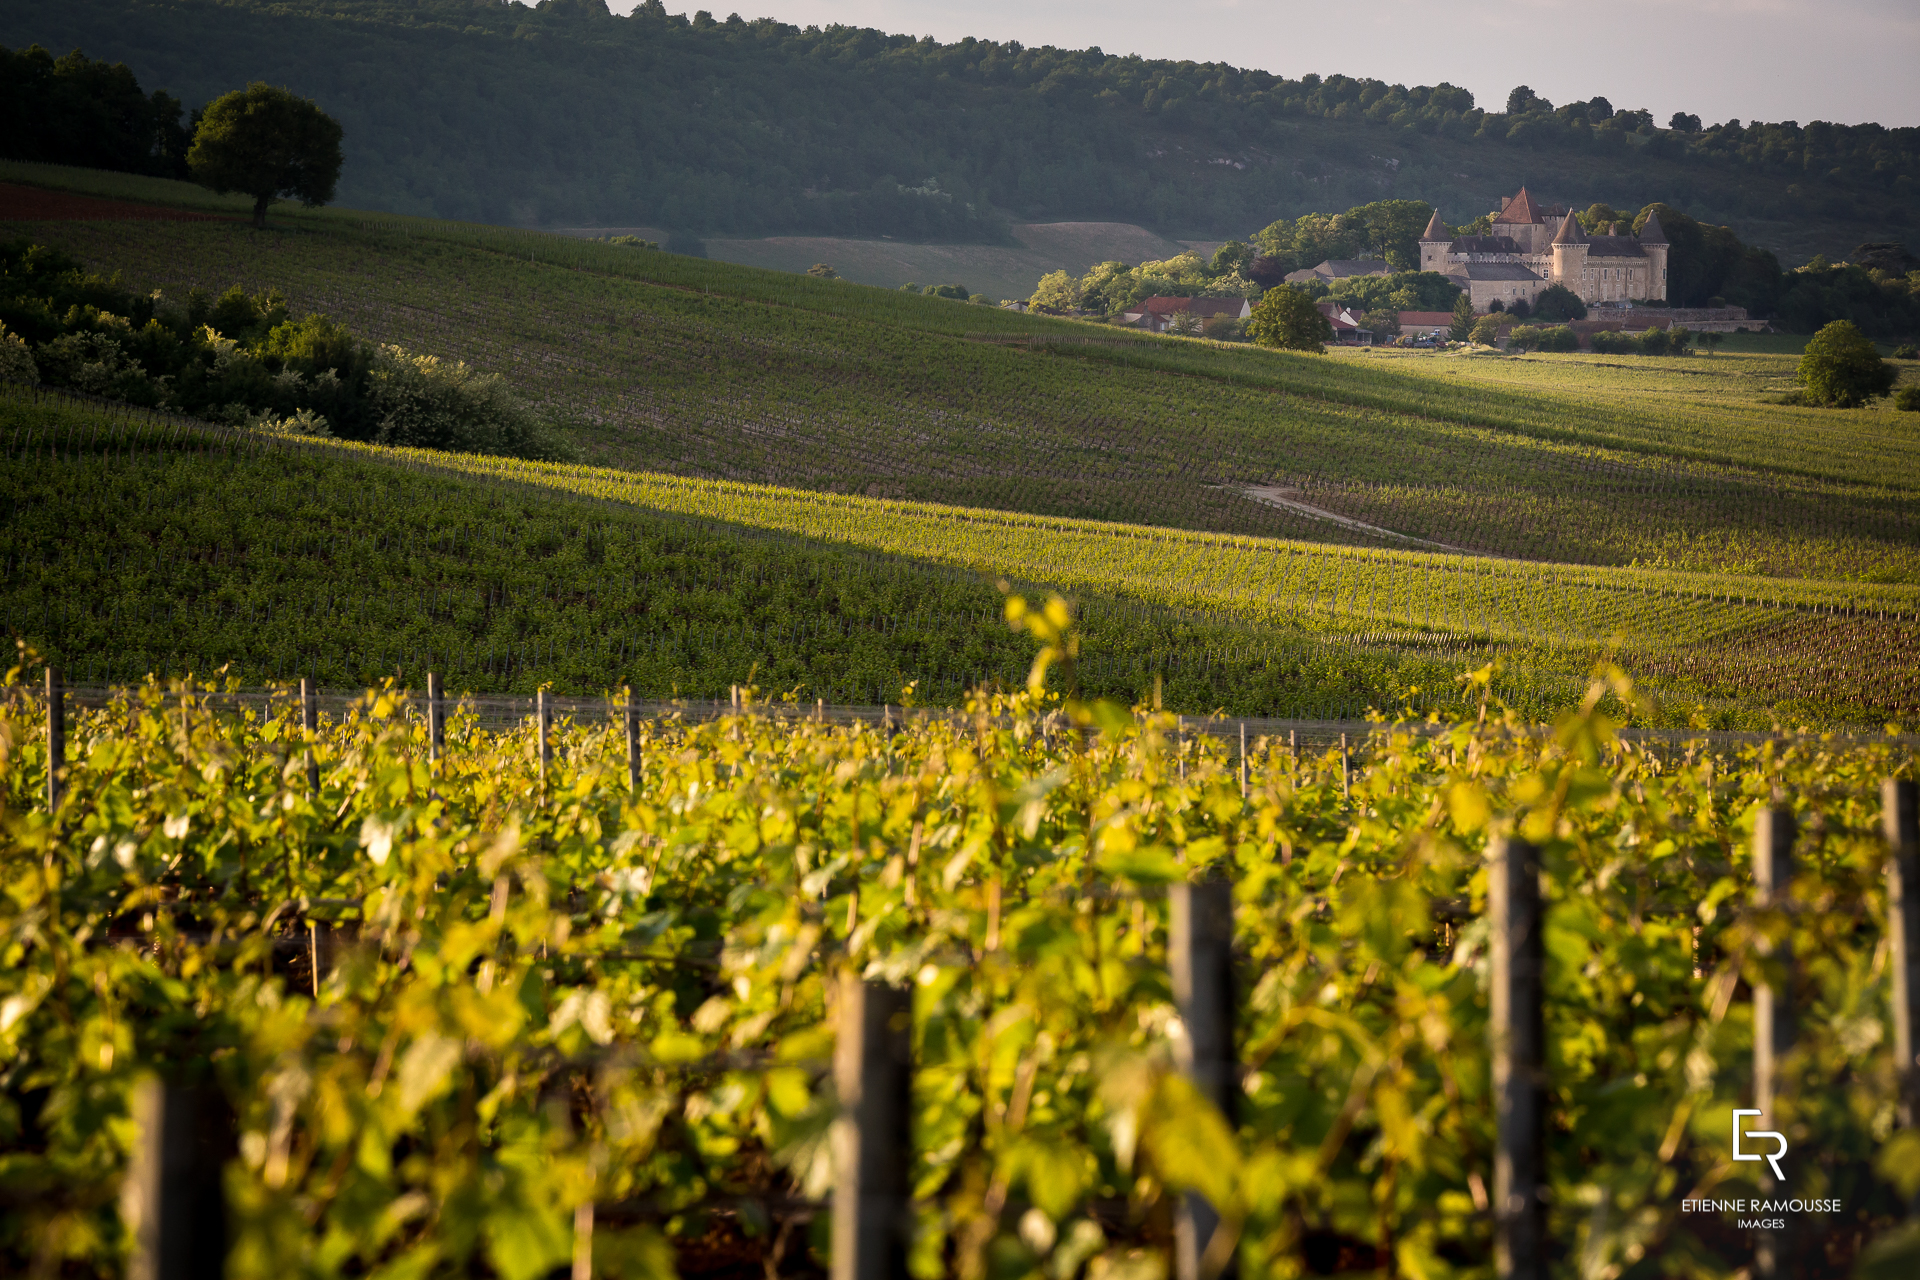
(78, 111)
(479, 111)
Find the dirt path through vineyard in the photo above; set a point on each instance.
(1289, 499)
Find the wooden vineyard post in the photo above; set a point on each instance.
(872, 1144)
(1346, 769)
(1772, 1013)
(436, 718)
(1519, 1061)
(1200, 954)
(321, 946)
(1900, 803)
(633, 744)
(172, 1199)
(1243, 759)
(310, 723)
(543, 719)
(56, 737)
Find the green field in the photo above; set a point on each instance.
(1755, 562)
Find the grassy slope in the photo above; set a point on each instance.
(717, 370)
(709, 369)
(999, 271)
(135, 548)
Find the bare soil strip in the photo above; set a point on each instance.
(35, 204)
(1289, 499)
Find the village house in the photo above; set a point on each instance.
(1157, 313)
(1339, 269)
(1347, 329)
(1425, 324)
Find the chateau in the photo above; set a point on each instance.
(1531, 248)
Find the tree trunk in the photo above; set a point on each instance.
(260, 204)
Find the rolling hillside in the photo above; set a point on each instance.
(706, 369)
(999, 271)
(1751, 561)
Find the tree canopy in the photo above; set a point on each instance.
(1557, 302)
(1841, 368)
(1288, 319)
(74, 110)
(1387, 229)
(267, 143)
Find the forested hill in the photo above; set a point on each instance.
(568, 115)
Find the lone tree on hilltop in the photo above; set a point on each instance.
(268, 143)
(1841, 368)
(1286, 318)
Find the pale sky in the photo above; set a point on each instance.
(1846, 61)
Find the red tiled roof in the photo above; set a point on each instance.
(1520, 209)
(1426, 317)
(1193, 306)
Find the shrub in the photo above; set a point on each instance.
(16, 362)
(1613, 342)
(1559, 338)
(1524, 337)
(1906, 351)
(1383, 322)
(1486, 330)
(424, 402)
(1221, 329)
(1521, 307)
(1908, 399)
(1557, 302)
(1841, 368)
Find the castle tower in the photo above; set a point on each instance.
(1570, 256)
(1433, 245)
(1522, 223)
(1653, 243)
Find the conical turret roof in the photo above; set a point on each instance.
(1570, 232)
(1521, 209)
(1653, 232)
(1436, 229)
